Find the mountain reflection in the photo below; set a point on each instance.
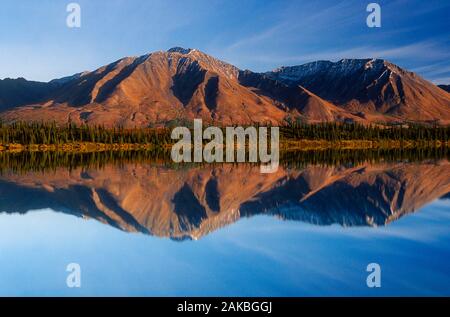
(189, 203)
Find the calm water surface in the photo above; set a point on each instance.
(140, 229)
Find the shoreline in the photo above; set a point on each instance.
(285, 146)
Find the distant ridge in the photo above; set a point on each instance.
(445, 87)
(372, 87)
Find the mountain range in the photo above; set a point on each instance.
(182, 84)
(191, 203)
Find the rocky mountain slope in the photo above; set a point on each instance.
(155, 88)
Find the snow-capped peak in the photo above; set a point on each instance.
(178, 49)
(342, 67)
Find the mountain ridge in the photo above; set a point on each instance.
(369, 86)
(180, 83)
(445, 87)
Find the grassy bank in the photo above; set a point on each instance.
(76, 147)
(306, 145)
(73, 138)
(285, 145)
(301, 145)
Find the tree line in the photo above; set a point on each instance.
(53, 134)
(354, 131)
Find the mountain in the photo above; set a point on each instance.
(61, 81)
(445, 87)
(155, 88)
(191, 203)
(182, 84)
(301, 102)
(19, 92)
(374, 88)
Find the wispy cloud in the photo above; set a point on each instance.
(259, 37)
(437, 72)
(298, 21)
(441, 80)
(430, 49)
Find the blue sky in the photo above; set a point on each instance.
(252, 34)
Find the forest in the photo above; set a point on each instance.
(22, 133)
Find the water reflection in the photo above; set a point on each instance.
(191, 202)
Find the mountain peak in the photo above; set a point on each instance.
(343, 67)
(178, 49)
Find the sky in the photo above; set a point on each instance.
(259, 35)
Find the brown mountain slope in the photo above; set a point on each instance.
(371, 87)
(159, 87)
(192, 203)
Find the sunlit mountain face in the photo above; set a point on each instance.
(191, 202)
(159, 87)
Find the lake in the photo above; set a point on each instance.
(156, 229)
